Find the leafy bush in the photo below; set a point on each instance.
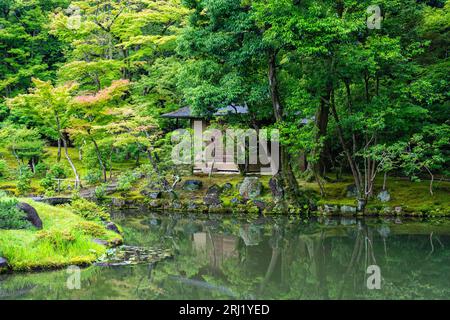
(41, 169)
(57, 171)
(100, 192)
(10, 216)
(3, 168)
(93, 176)
(90, 228)
(126, 180)
(24, 180)
(89, 210)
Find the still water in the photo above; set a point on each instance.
(227, 257)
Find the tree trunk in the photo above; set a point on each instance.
(74, 169)
(100, 161)
(351, 161)
(289, 180)
(322, 125)
(431, 181)
(58, 157)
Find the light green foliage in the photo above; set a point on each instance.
(126, 180)
(100, 192)
(24, 179)
(24, 144)
(3, 168)
(57, 171)
(89, 210)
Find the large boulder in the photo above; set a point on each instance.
(151, 194)
(261, 205)
(192, 185)
(212, 197)
(32, 215)
(3, 263)
(250, 188)
(384, 196)
(113, 227)
(348, 209)
(227, 186)
(351, 191)
(276, 187)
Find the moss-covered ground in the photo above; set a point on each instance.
(413, 197)
(66, 239)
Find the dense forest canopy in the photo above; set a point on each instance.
(97, 75)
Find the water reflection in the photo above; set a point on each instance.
(223, 257)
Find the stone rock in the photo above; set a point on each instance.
(192, 185)
(384, 196)
(398, 210)
(116, 202)
(192, 206)
(176, 205)
(3, 263)
(361, 205)
(250, 188)
(351, 191)
(330, 208)
(154, 195)
(113, 227)
(32, 214)
(276, 187)
(235, 201)
(155, 204)
(348, 209)
(227, 186)
(261, 205)
(212, 197)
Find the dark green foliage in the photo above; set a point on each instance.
(10, 216)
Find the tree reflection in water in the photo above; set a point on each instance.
(223, 257)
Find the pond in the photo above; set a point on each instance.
(232, 257)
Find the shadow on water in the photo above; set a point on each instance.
(227, 257)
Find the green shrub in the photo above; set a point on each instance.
(89, 210)
(41, 169)
(93, 176)
(24, 179)
(90, 228)
(126, 180)
(10, 216)
(100, 192)
(56, 171)
(3, 168)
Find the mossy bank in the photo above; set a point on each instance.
(66, 239)
(232, 194)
